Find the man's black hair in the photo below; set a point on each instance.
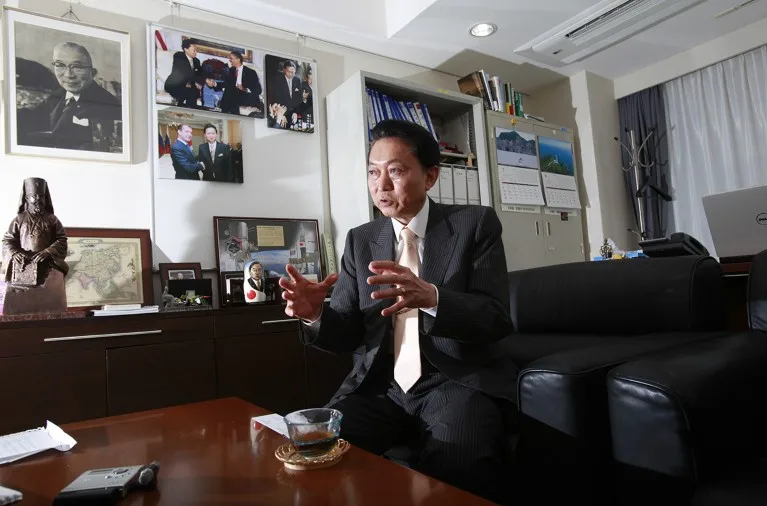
(187, 42)
(425, 148)
(209, 125)
(237, 55)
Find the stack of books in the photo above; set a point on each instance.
(498, 96)
(381, 107)
(124, 309)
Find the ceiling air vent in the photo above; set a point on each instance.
(600, 27)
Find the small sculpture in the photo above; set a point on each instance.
(34, 249)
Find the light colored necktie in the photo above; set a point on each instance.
(407, 351)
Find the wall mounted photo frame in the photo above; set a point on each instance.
(271, 242)
(179, 271)
(108, 266)
(68, 88)
(289, 93)
(199, 72)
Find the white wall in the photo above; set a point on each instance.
(727, 46)
(285, 172)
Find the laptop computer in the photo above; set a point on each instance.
(738, 221)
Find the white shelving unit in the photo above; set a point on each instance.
(457, 118)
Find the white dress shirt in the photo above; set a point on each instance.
(290, 86)
(71, 95)
(239, 75)
(418, 226)
(191, 61)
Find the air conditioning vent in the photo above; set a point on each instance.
(600, 27)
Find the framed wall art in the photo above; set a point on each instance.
(68, 88)
(108, 266)
(290, 94)
(179, 271)
(266, 245)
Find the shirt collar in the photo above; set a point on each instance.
(417, 224)
(72, 95)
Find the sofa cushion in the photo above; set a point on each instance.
(636, 297)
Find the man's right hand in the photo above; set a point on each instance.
(304, 297)
(20, 257)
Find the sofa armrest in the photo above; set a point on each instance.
(567, 390)
(691, 411)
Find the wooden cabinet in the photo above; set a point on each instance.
(61, 387)
(159, 375)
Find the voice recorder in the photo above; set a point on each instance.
(107, 486)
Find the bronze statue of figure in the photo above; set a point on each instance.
(34, 249)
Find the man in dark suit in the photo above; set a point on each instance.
(237, 162)
(216, 157)
(70, 117)
(241, 87)
(432, 366)
(185, 79)
(184, 162)
(287, 88)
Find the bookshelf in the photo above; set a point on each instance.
(457, 118)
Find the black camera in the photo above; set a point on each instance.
(107, 486)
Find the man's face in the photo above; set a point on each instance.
(396, 180)
(185, 134)
(309, 79)
(73, 68)
(239, 146)
(289, 71)
(256, 271)
(234, 61)
(211, 135)
(191, 51)
(35, 203)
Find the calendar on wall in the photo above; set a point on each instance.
(556, 197)
(519, 185)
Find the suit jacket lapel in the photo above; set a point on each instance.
(382, 245)
(438, 249)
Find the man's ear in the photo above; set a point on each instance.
(432, 174)
(94, 71)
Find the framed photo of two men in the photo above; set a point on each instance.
(68, 88)
(198, 72)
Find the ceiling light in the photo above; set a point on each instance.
(483, 29)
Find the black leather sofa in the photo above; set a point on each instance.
(573, 324)
(688, 424)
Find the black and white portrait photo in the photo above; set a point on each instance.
(68, 86)
(289, 94)
(200, 73)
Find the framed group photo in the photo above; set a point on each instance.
(290, 93)
(170, 271)
(254, 252)
(68, 88)
(198, 72)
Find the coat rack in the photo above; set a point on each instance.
(642, 183)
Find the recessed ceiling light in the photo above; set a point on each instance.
(483, 29)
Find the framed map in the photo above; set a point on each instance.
(108, 266)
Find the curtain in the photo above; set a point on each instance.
(643, 112)
(717, 119)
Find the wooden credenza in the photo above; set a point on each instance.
(75, 369)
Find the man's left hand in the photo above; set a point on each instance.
(410, 291)
(41, 256)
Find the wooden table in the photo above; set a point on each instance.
(211, 454)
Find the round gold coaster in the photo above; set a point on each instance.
(293, 460)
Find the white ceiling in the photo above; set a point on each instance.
(434, 33)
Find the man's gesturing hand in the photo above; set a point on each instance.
(304, 297)
(410, 291)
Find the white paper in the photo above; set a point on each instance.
(274, 422)
(559, 181)
(459, 185)
(8, 496)
(446, 184)
(23, 444)
(518, 175)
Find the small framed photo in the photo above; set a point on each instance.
(68, 86)
(289, 94)
(232, 289)
(179, 271)
(259, 249)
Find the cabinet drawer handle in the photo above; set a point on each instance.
(287, 320)
(537, 228)
(548, 227)
(99, 336)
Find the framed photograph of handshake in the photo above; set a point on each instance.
(68, 86)
(254, 253)
(198, 72)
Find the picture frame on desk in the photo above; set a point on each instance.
(190, 270)
(49, 58)
(108, 266)
(271, 242)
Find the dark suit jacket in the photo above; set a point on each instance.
(234, 98)
(182, 74)
(463, 256)
(281, 95)
(52, 124)
(184, 162)
(219, 166)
